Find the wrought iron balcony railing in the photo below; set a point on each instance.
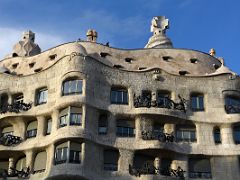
(232, 109)
(162, 137)
(165, 102)
(9, 140)
(16, 107)
(150, 169)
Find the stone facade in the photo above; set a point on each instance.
(83, 110)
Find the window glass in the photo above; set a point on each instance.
(200, 168)
(125, 128)
(75, 119)
(72, 87)
(102, 124)
(119, 96)
(111, 160)
(232, 105)
(74, 156)
(18, 98)
(49, 126)
(63, 120)
(186, 133)
(197, 102)
(61, 155)
(236, 134)
(217, 135)
(42, 96)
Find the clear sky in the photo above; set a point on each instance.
(194, 24)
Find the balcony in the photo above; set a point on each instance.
(149, 169)
(232, 109)
(9, 140)
(160, 136)
(162, 102)
(15, 107)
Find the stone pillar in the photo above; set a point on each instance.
(29, 159)
(157, 165)
(112, 126)
(11, 165)
(143, 124)
(126, 158)
(227, 134)
(41, 127)
(55, 121)
(20, 128)
(50, 157)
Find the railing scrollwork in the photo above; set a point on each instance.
(9, 140)
(16, 107)
(166, 102)
(162, 137)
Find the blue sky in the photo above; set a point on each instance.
(194, 24)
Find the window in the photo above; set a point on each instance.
(61, 155)
(70, 116)
(42, 95)
(18, 98)
(197, 102)
(236, 134)
(68, 152)
(32, 129)
(158, 129)
(232, 105)
(49, 126)
(21, 164)
(217, 135)
(76, 119)
(40, 162)
(163, 99)
(200, 168)
(125, 128)
(111, 160)
(102, 124)
(72, 87)
(119, 96)
(186, 133)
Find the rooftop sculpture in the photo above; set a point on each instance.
(26, 47)
(159, 38)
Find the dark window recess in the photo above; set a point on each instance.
(31, 64)
(104, 54)
(217, 135)
(75, 119)
(53, 56)
(200, 168)
(232, 105)
(61, 155)
(129, 60)
(102, 124)
(110, 160)
(117, 66)
(15, 65)
(74, 156)
(37, 70)
(216, 66)
(193, 60)
(182, 73)
(119, 96)
(125, 128)
(236, 134)
(167, 58)
(142, 68)
(186, 133)
(197, 103)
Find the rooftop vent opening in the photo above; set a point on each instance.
(38, 69)
(117, 66)
(142, 68)
(183, 73)
(193, 60)
(31, 64)
(129, 60)
(167, 58)
(53, 56)
(15, 65)
(14, 55)
(104, 54)
(216, 66)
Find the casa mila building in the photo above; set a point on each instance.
(88, 111)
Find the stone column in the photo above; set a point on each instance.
(227, 134)
(50, 157)
(55, 121)
(126, 158)
(41, 127)
(29, 159)
(143, 124)
(11, 165)
(112, 126)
